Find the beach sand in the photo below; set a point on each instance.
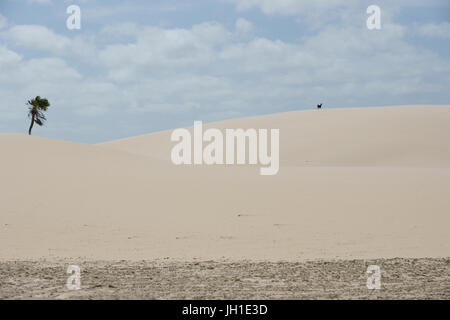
(353, 185)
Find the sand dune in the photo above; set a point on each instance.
(353, 183)
(404, 136)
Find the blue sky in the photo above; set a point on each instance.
(136, 67)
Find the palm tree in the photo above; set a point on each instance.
(36, 109)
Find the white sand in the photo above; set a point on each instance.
(353, 183)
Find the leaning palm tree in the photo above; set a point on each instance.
(36, 109)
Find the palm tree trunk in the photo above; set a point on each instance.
(31, 125)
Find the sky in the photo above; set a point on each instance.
(141, 66)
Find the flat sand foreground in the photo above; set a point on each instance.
(341, 279)
(367, 183)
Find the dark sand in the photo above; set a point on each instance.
(164, 279)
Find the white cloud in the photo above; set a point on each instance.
(203, 67)
(289, 7)
(21, 78)
(165, 48)
(91, 110)
(441, 30)
(119, 30)
(43, 39)
(244, 27)
(8, 58)
(39, 1)
(3, 21)
(36, 37)
(42, 70)
(315, 14)
(210, 71)
(302, 7)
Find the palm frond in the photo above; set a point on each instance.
(36, 109)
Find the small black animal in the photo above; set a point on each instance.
(319, 106)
